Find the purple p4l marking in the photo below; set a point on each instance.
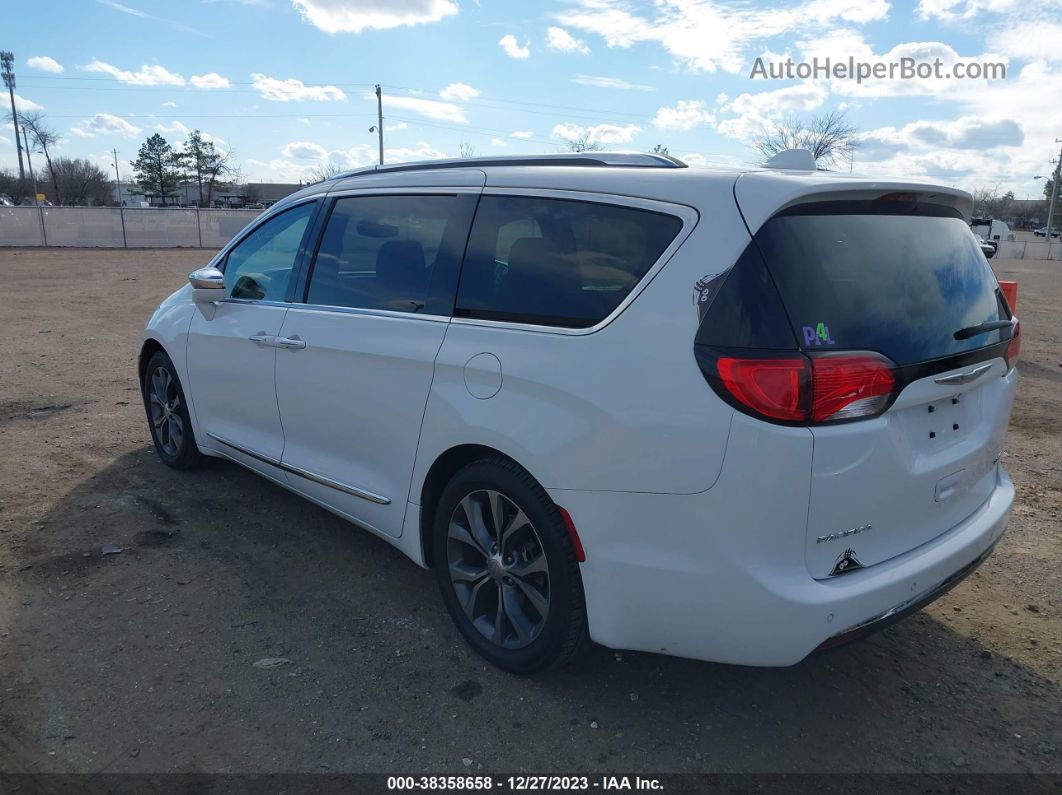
(817, 335)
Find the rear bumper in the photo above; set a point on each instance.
(677, 575)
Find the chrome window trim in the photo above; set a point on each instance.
(688, 215)
(368, 312)
(399, 190)
(346, 488)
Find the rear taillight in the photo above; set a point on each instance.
(802, 389)
(775, 388)
(1014, 348)
(846, 386)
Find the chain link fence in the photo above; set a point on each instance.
(1029, 249)
(121, 227)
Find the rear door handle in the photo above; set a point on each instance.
(963, 378)
(293, 343)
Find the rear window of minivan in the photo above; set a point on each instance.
(896, 277)
(557, 262)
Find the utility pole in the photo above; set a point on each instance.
(379, 120)
(6, 59)
(29, 162)
(1054, 195)
(117, 179)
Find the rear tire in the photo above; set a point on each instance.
(167, 414)
(507, 569)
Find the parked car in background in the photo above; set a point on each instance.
(733, 416)
(988, 249)
(1042, 232)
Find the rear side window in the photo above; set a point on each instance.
(894, 277)
(557, 262)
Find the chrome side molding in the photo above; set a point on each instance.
(346, 488)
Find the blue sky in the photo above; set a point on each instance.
(287, 84)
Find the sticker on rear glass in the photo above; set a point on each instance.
(704, 290)
(817, 335)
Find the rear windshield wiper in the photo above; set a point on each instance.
(982, 328)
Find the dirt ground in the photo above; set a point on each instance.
(143, 660)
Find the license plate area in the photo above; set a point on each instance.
(941, 423)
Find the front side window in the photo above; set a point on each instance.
(557, 262)
(382, 252)
(259, 267)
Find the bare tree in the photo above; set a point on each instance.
(659, 149)
(324, 171)
(584, 143)
(42, 139)
(465, 149)
(80, 181)
(990, 203)
(829, 137)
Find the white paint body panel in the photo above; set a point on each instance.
(695, 518)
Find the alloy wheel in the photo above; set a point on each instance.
(164, 401)
(498, 569)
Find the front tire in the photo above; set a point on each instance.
(167, 413)
(507, 569)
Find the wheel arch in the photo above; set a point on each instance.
(445, 466)
(149, 348)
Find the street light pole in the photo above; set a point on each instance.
(6, 59)
(379, 119)
(1054, 195)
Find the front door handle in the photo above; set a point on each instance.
(293, 343)
(262, 339)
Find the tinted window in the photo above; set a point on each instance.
(746, 312)
(260, 265)
(381, 252)
(557, 262)
(899, 281)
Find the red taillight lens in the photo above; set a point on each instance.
(798, 388)
(772, 387)
(849, 386)
(1014, 348)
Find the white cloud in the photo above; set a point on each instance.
(430, 108)
(561, 40)
(354, 16)
(707, 35)
(960, 10)
(522, 134)
(176, 128)
(304, 150)
(597, 81)
(44, 64)
(398, 125)
(497, 142)
(23, 105)
(757, 110)
(209, 80)
(104, 124)
(313, 155)
(302, 120)
(600, 133)
(459, 91)
(292, 90)
(146, 75)
(1028, 40)
(513, 48)
(685, 115)
(170, 104)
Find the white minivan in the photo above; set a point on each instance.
(731, 415)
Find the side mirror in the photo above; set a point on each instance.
(208, 285)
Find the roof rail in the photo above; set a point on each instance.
(585, 159)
